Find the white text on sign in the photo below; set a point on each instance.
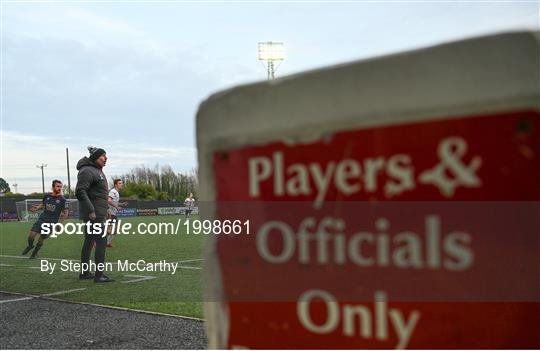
(351, 176)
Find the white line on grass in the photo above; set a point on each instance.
(6, 265)
(15, 300)
(189, 267)
(140, 278)
(30, 297)
(195, 259)
(110, 307)
(40, 258)
(61, 292)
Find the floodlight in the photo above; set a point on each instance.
(270, 52)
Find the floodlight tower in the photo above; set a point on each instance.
(271, 54)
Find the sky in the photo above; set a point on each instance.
(128, 76)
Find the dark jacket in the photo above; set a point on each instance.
(91, 190)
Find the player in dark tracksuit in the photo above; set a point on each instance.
(55, 210)
(92, 191)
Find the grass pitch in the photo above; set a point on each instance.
(179, 293)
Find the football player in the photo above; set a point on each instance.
(55, 210)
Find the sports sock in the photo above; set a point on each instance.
(36, 249)
(30, 242)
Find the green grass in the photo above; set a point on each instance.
(179, 293)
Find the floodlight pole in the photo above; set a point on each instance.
(69, 178)
(43, 165)
(271, 70)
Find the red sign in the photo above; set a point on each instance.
(422, 235)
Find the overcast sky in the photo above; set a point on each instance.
(129, 76)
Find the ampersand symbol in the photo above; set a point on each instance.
(450, 152)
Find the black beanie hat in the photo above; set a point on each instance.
(95, 152)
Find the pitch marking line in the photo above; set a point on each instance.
(30, 297)
(41, 258)
(6, 265)
(195, 259)
(15, 300)
(140, 278)
(110, 307)
(61, 292)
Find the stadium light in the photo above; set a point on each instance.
(271, 52)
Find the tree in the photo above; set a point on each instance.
(4, 186)
(166, 183)
(163, 195)
(66, 192)
(13, 195)
(141, 191)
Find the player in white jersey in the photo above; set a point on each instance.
(114, 206)
(189, 203)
